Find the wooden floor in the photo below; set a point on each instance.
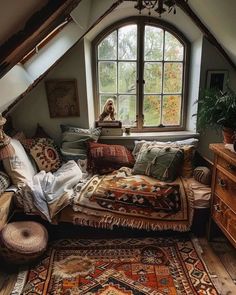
(219, 257)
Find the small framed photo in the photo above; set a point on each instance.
(62, 96)
(217, 79)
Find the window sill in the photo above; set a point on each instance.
(153, 136)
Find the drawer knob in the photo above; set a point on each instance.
(222, 182)
(217, 208)
(231, 167)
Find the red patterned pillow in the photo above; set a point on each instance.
(105, 158)
(44, 152)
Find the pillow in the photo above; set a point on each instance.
(105, 158)
(202, 174)
(19, 167)
(162, 163)
(139, 143)
(188, 146)
(44, 152)
(74, 141)
(4, 182)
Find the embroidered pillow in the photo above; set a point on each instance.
(4, 182)
(162, 163)
(105, 158)
(44, 152)
(74, 141)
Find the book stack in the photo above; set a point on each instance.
(110, 128)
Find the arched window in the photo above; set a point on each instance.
(142, 64)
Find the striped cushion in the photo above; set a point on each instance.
(202, 174)
(4, 182)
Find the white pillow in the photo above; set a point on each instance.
(19, 167)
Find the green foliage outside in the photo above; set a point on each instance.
(117, 69)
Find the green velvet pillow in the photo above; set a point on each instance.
(163, 163)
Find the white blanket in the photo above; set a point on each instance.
(53, 191)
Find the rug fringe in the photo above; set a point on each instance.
(108, 222)
(20, 282)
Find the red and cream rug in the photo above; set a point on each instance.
(150, 266)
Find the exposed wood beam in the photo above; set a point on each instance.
(40, 78)
(36, 28)
(188, 11)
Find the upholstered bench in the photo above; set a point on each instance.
(23, 241)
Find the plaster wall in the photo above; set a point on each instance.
(34, 108)
(212, 60)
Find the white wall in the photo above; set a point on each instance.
(34, 108)
(16, 81)
(213, 60)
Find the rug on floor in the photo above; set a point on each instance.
(150, 266)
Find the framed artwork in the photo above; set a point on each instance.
(62, 96)
(217, 79)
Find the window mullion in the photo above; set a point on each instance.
(140, 65)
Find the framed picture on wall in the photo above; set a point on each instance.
(217, 79)
(62, 96)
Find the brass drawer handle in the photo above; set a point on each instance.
(231, 167)
(217, 208)
(222, 182)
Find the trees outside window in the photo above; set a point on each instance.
(142, 64)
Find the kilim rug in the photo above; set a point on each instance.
(150, 266)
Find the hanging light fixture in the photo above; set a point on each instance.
(160, 6)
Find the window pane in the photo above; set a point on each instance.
(127, 77)
(153, 46)
(174, 50)
(173, 77)
(127, 42)
(152, 77)
(171, 110)
(152, 110)
(127, 109)
(107, 76)
(104, 98)
(107, 49)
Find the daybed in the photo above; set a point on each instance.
(122, 197)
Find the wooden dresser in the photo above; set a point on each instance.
(223, 206)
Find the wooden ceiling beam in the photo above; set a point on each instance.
(39, 25)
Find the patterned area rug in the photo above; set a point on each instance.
(150, 266)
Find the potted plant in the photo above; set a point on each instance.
(217, 109)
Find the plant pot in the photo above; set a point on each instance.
(228, 135)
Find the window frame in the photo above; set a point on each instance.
(141, 21)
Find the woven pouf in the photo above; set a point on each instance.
(23, 241)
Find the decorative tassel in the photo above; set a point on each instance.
(6, 149)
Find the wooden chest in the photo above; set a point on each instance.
(223, 206)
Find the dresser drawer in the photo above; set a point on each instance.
(225, 188)
(231, 168)
(224, 217)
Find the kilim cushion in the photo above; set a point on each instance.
(23, 241)
(105, 158)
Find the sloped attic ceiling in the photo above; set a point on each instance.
(216, 15)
